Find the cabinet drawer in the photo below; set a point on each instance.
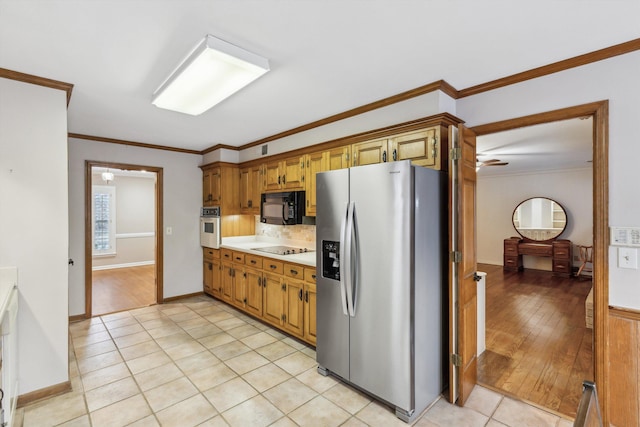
(211, 253)
(238, 257)
(227, 254)
(310, 275)
(253, 261)
(561, 251)
(512, 262)
(561, 267)
(273, 266)
(293, 270)
(511, 250)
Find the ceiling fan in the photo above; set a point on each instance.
(490, 162)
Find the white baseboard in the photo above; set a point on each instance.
(130, 264)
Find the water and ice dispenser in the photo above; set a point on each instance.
(331, 259)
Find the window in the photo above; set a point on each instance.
(103, 225)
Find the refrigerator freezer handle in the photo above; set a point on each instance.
(349, 282)
(342, 260)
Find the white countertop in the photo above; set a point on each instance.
(248, 243)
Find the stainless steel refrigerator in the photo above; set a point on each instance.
(381, 237)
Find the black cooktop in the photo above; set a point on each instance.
(282, 250)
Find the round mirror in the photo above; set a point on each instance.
(539, 219)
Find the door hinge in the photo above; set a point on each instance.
(455, 256)
(455, 359)
(455, 153)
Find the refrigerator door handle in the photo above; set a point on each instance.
(349, 283)
(343, 267)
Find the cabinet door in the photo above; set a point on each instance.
(272, 176)
(216, 276)
(419, 147)
(245, 190)
(207, 277)
(338, 158)
(310, 313)
(315, 163)
(369, 152)
(293, 176)
(255, 189)
(253, 291)
(216, 187)
(272, 298)
(227, 282)
(238, 285)
(294, 307)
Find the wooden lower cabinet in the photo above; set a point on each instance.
(283, 295)
(272, 298)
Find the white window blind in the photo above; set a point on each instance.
(104, 220)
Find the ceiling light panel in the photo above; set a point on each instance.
(213, 71)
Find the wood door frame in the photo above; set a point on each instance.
(88, 238)
(599, 111)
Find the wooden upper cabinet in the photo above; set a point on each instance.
(287, 174)
(419, 147)
(315, 162)
(338, 158)
(293, 177)
(250, 189)
(369, 152)
(272, 177)
(220, 187)
(211, 187)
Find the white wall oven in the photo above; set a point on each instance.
(210, 227)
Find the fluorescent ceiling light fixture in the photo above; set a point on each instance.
(213, 71)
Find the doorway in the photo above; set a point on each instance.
(599, 113)
(123, 237)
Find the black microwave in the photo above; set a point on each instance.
(282, 208)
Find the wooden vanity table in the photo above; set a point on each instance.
(559, 250)
(539, 221)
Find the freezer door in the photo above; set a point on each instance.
(332, 344)
(381, 359)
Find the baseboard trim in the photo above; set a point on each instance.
(625, 313)
(77, 317)
(179, 297)
(130, 264)
(43, 393)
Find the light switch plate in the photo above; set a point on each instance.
(628, 258)
(169, 231)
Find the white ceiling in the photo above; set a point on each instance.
(326, 56)
(567, 144)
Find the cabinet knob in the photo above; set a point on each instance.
(384, 156)
(294, 272)
(395, 154)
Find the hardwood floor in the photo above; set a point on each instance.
(537, 345)
(121, 289)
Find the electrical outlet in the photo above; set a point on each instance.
(628, 258)
(169, 231)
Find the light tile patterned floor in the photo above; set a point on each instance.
(198, 362)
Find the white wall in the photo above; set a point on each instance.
(497, 197)
(616, 80)
(182, 199)
(34, 226)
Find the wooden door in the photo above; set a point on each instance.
(227, 281)
(463, 290)
(206, 187)
(253, 291)
(294, 307)
(245, 190)
(310, 312)
(255, 189)
(272, 298)
(239, 284)
(216, 276)
(369, 152)
(272, 176)
(315, 163)
(338, 158)
(293, 176)
(419, 147)
(216, 187)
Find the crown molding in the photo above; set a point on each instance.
(132, 143)
(40, 81)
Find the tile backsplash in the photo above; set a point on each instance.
(302, 233)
